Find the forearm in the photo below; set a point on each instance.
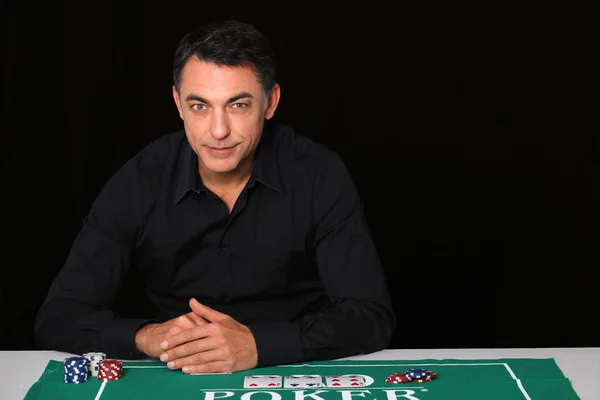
(277, 343)
(76, 315)
(75, 327)
(347, 328)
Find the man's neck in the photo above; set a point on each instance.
(224, 181)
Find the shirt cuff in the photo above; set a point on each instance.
(277, 343)
(119, 336)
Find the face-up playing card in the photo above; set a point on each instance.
(262, 381)
(345, 381)
(303, 381)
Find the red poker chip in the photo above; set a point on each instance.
(110, 370)
(110, 373)
(397, 378)
(109, 379)
(109, 361)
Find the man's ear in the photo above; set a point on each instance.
(177, 101)
(273, 101)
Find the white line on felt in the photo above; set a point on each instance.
(387, 365)
(523, 389)
(100, 390)
(519, 384)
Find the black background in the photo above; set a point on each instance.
(470, 130)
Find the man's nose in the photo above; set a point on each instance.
(219, 125)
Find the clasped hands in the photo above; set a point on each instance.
(201, 341)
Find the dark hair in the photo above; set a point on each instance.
(228, 43)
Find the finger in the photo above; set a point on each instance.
(202, 357)
(185, 322)
(188, 335)
(188, 349)
(206, 312)
(196, 319)
(209, 368)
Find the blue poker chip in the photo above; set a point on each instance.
(75, 360)
(417, 373)
(76, 369)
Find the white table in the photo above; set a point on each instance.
(20, 369)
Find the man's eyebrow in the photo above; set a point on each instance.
(193, 97)
(239, 96)
(233, 99)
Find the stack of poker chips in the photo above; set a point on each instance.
(93, 362)
(110, 370)
(76, 369)
(412, 375)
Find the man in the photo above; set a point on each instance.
(251, 239)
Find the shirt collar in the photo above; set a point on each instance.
(266, 167)
(188, 176)
(265, 171)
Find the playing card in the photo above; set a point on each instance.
(345, 381)
(262, 381)
(303, 381)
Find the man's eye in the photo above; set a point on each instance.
(240, 105)
(198, 107)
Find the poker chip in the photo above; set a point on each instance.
(431, 376)
(75, 369)
(412, 375)
(397, 378)
(94, 360)
(110, 370)
(417, 373)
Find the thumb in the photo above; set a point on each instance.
(205, 312)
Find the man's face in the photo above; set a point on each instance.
(223, 111)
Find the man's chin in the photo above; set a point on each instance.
(221, 167)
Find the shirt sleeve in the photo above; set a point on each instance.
(76, 314)
(359, 318)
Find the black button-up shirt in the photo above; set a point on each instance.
(294, 261)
